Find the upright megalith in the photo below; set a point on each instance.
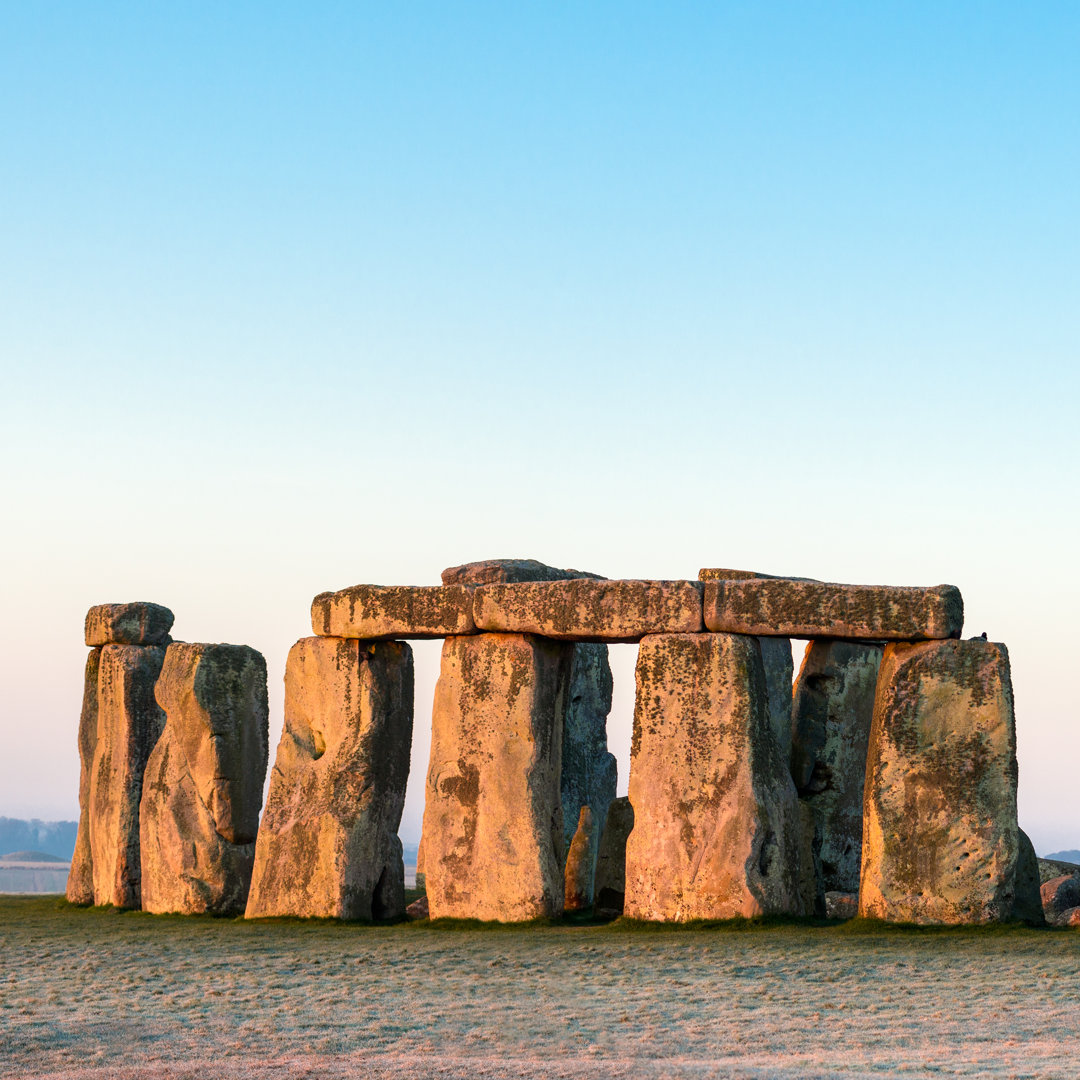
(610, 877)
(716, 822)
(830, 729)
(779, 667)
(203, 785)
(940, 838)
(129, 722)
(493, 829)
(328, 844)
(80, 883)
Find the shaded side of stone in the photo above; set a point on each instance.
(328, 844)
(204, 780)
(779, 668)
(940, 837)
(1058, 897)
(492, 571)
(493, 829)
(128, 624)
(80, 883)
(716, 820)
(388, 612)
(610, 878)
(1027, 903)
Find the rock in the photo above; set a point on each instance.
(716, 820)
(1059, 896)
(713, 573)
(590, 610)
(129, 722)
(1052, 868)
(80, 882)
(841, 905)
(421, 877)
(128, 624)
(811, 880)
(776, 656)
(940, 838)
(385, 612)
(203, 784)
(785, 607)
(610, 879)
(581, 863)
(328, 844)
(830, 729)
(491, 571)
(418, 909)
(1070, 918)
(493, 831)
(1027, 901)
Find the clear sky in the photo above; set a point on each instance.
(295, 296)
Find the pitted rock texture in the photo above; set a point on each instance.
(1052, 868)
(590, 610)
(129, 722)
(830, 730)
(786, 607)
(581, 862)
(610, 880)
(779, 668)
(1059, 896)
(492, 571)
(1027, 902)
(203, 785)
(718, 573)
(80, 883)
(493, 830)
(328, 844)
(940, 838)
(389, 612)
(128, 624)
(716, 820)
(811, 880)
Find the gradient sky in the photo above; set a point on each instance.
(298, 296)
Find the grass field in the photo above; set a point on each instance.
(97, 993)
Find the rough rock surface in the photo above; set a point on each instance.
(128, 624)
(718, 573)
(785, 607)
(129, 723)
(1027, 902)
(387, 612)
(492, 571)
(940, 838)
(776, 656)
(830, 730)
(841, 905)
(590, 610)
(80, 882)
(1059, 896)
(1070, 917)
(610, 880)
(1052, 868)
(421, 877)
(581, 862)
(716, 819)
(203, 785)
(328, 844)
(493, 830)
(811, 880)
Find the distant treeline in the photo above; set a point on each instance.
(52, 837)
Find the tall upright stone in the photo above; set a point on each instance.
(328, 843)
(830, 729)
(716, 823)
(80, 883)
(129, 722)
(493, 829)
(610, 877)
(940, 837)
(203, 784)
(776, 658)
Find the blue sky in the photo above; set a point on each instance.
(296, 296)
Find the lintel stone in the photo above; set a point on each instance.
(389, 612)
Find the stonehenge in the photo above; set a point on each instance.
(881, 780)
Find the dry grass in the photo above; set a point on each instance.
(95, 994)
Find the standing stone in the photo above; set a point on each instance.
(203, 784)
(940, 838)
(80, 883)
(581, 862)
(493, 830)
(1060, 896)
(830, 729)
(421, 878)
(610, 881)
(328, 844)
(776, 657)
(716, 821)
(1027, 904)
(129, 724)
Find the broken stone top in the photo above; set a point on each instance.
(502, 571)
(128, 624)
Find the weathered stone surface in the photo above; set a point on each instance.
(1060, 895)
(776, 656)
(128, 624)
(492, 571)
(940, 838)
(493, 831)
(717, 573)
(581, 862)
(129, 723)
(841, 905)
(785, 607)
(328, 844)
(610, 880)
(716, 819)
(811, 880)
(590, 610)
(830, 729)
(388, 612)
(1071, 918)
(421, 877)
(418, 909)
(203, 785)
(1052, 868)
(80, 882)
(1027, 901)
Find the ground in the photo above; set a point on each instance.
(101, 994)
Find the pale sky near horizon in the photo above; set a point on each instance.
(298, 296)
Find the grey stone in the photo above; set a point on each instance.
(776, 656)
(390, 612)
(80, 883)
(1059, 896)
(1027, 902)
(492, 571)
(841, 905)
(128, 624)
(610, 879)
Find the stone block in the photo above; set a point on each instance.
(492, 571)
(80, 882)
(203, 785)
(328, 844)
(776, 656)
(128, 624)
(610, 879)
(493, 830)
(590, 610)
(786, 607)
(940, 838)
(391, 612)
(1059, 896)
(716, 820)
(581, 862)
(1027, 902)
(841, 905)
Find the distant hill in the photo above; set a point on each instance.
(1072, 855)
(44, 837)
(32, 857)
